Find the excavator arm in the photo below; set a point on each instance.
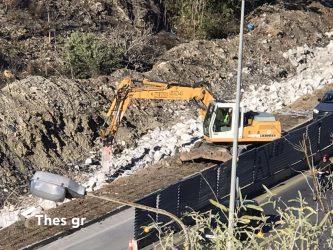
(129, 89)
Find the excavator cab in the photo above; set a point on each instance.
(253, 126)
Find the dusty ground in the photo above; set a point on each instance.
(49, 123)
(131, 188)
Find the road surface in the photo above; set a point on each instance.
(290, 189)
(112, 233)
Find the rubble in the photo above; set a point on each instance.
(11, 214)
(314, 70)
(154, 146)
(276, 32)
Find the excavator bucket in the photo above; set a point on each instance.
(206, 152)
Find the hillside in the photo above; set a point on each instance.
(53, 106)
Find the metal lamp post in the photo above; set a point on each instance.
(235, 128)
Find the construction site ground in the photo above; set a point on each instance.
(131, 188)
(50, 122)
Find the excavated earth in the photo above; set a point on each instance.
(276, 31)
(45, 123)
(131, 188)
(52, 124)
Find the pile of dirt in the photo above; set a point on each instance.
(276, 31)
(45, 124)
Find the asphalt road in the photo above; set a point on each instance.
(291, 189)
(113, 233)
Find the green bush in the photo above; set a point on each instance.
(203, 18)
(86, 55)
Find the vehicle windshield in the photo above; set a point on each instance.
(223, 119)
(208, 118)
(328, 98)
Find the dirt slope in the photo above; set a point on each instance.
(45, 123)
(32, 33)
(276, 31)
(49, 123)
(53, 124)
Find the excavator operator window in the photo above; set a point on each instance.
(223, 119)
(208, 118)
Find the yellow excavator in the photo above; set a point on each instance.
(255, 127)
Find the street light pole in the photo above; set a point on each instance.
(235, 128)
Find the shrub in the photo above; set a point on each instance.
(203, 18)
(86, 55)
(296, 225)
(207, 19)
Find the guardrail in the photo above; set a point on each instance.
(266, 165)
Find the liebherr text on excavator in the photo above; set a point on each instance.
(255, 127)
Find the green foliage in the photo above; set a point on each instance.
(203, 18)
(86, 55)
(296, 226)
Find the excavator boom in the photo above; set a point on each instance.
(129, 89)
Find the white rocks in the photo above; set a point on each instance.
(158, 155)
(88, 161)
(45, 204)
(31, 211)
(329, 34)
(8, 217)
(152, 147)
(96, 181)
(314, 71)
